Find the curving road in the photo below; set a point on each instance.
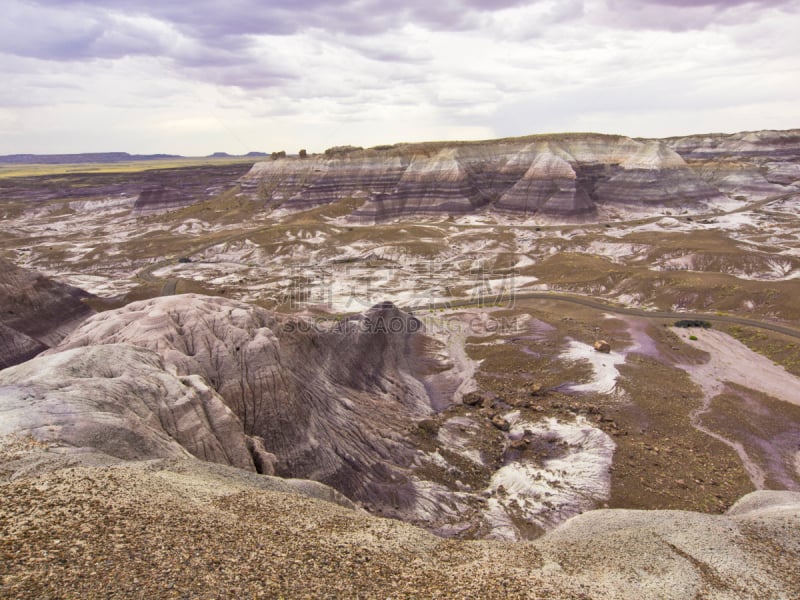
(622, 310)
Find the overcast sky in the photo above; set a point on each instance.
(194, 77)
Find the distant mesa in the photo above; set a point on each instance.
(564, 175)
(106, 157)
(248, 155)
(85, 158)
(551, 175)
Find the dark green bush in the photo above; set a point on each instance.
(692, 323)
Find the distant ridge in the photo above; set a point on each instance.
(100, 157)
(89, 157)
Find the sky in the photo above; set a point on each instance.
(207, 76)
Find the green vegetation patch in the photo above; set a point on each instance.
(693, 323)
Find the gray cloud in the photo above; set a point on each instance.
(685, 15)
(217, 33)
(720, 4)
(330, 72)
(210, 19)
(60, 34)
(220, 42)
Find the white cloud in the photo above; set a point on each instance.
(190, 79)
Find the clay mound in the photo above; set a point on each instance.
(332, 405)
(119, 400)
(37, 312)
(440, 184)
(550, 185)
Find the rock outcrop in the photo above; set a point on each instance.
(753, 164)
(552, 175)
(781, 145)
(37, 312)
(330, 404)
(121, 401)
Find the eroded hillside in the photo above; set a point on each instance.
(476, 338)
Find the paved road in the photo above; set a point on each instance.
(634, 312)
(169, 287)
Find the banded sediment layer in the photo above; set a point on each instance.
(560, 175)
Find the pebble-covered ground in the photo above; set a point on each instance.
(128, 533)
(184, 529)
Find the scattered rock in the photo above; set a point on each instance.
(472, 399)
(500, 423)
(602, 346)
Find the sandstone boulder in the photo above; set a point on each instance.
(602, 346)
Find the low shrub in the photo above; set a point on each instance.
(692, 323)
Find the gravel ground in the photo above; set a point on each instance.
(182, 529)
(121, 532)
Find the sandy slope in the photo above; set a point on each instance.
(730, 360)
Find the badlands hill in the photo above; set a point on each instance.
(294, 389)
(231, 425)
(102, 436)
(345, 405)
(561, 175)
